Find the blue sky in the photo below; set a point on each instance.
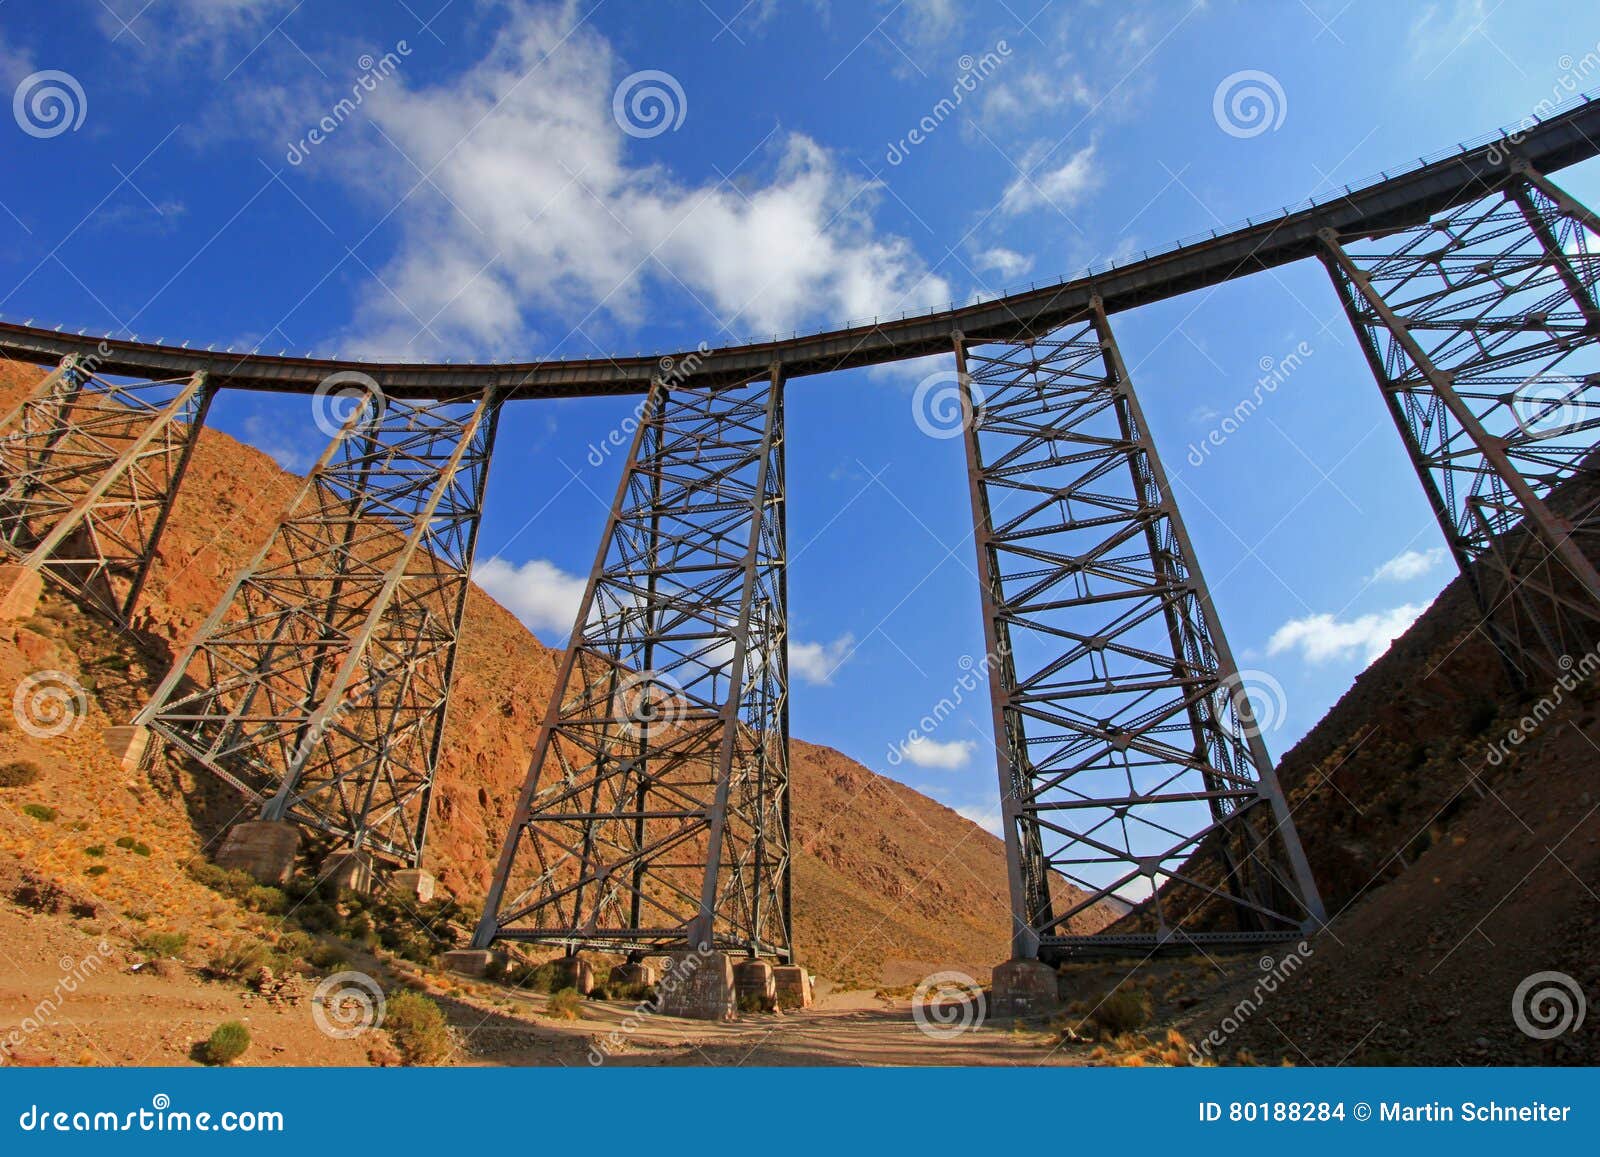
(498, 195)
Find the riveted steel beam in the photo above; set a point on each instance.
(655, 812)
(320, 683)
(1132, 770)
(89, 469)
(1482, 329)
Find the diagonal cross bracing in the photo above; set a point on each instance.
(320, 682)
(89, 467)
(1482, 328)
(655, 812)
(1131, 768)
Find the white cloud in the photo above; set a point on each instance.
(987, 818)
(817, 662)
(1441, 28)
(1005, 263)
(184, 24)
(1061, 187)
(15, 63)
(1410, 564)
(1323, 638)
(541, 594)
(925, 752)
(538, 201)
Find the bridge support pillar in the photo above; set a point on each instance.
(89, 468)
(791, 986)
(1482, 329)
(1024, 988)
(655, 813)
(1131, 765)
(698, 985)
(266, 849)
(320, 683)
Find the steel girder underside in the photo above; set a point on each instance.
(320, 682)
(1132, 771)
(655, 815)
(1482, 328)
(89, 468)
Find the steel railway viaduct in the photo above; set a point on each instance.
(655, 815)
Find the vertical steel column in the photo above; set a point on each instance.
(655, 812)
(320, 683)
(1105, 646)
(1481, 328)
(89, 469)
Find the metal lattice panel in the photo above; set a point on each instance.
(1481, 328)
(88, 470)
(655, 813)
(321, 681)
(1131, 770)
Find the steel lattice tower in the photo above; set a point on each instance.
(320, 682)
(655, 815)
(1130, 764)
(88, 471)
(1481, 327)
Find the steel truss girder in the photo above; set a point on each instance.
(320, 682)
(1130, 765)
(89, 468)
(1482, 328)
(655, 814)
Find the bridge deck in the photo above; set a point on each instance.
(1410, 197)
